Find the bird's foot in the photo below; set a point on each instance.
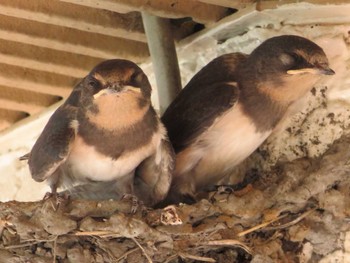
(221, 190)
(135, 202)
(48, 195)
(58, 198)
(238, 189)
(225, 189)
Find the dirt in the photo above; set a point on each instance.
(297, 212)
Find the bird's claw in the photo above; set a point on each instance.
(220, 190)
(135, 202)
(48, 195)
(58, 198)
(224, 189)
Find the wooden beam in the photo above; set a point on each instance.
(63, 91)
(24, 100)
(70, 40)
(20, 106)
(273, 4)
(200, 12)
(45, 59)
(111, 5)
(234, 24)
(42, 66)
(8, 117)
(27, 128)
(236, 4)
(264, 11)
(324, 12)
(114, 25)
(54, 44)
(136, 52)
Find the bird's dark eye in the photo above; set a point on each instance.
(292, 60)
(288, 60)
(136, 79)
(93, 83)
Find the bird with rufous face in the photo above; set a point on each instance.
(106, 140)
(233, 104)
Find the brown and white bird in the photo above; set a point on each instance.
(233, 104)
(106, 140)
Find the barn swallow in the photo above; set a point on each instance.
(232, 105)
(106, 138)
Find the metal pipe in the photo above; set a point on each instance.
(164, 59)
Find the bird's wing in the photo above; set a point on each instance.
(210, 93)
(153, 176)
(53, 145)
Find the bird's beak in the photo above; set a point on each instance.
(316, 70)
(111, 90)
(100, 93)
(326, 71)
(132, 88)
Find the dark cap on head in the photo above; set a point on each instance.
(121, 72)
(288, 43)
(288, 54)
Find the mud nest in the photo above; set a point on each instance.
(298, 212)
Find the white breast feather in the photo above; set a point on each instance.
(85, 162)
(230, 140)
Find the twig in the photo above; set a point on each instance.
(265, 224)
(293, 222)
(127, 253)
(23, 245)
(99, 234)
(93, 233)
(30, 242)
(142, 249)
(228, 243)
(171, 258)
(204, 259)
(54, 249)
(101, 246)
(245, 232)
(208, 236)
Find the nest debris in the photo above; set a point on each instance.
(298, 212)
